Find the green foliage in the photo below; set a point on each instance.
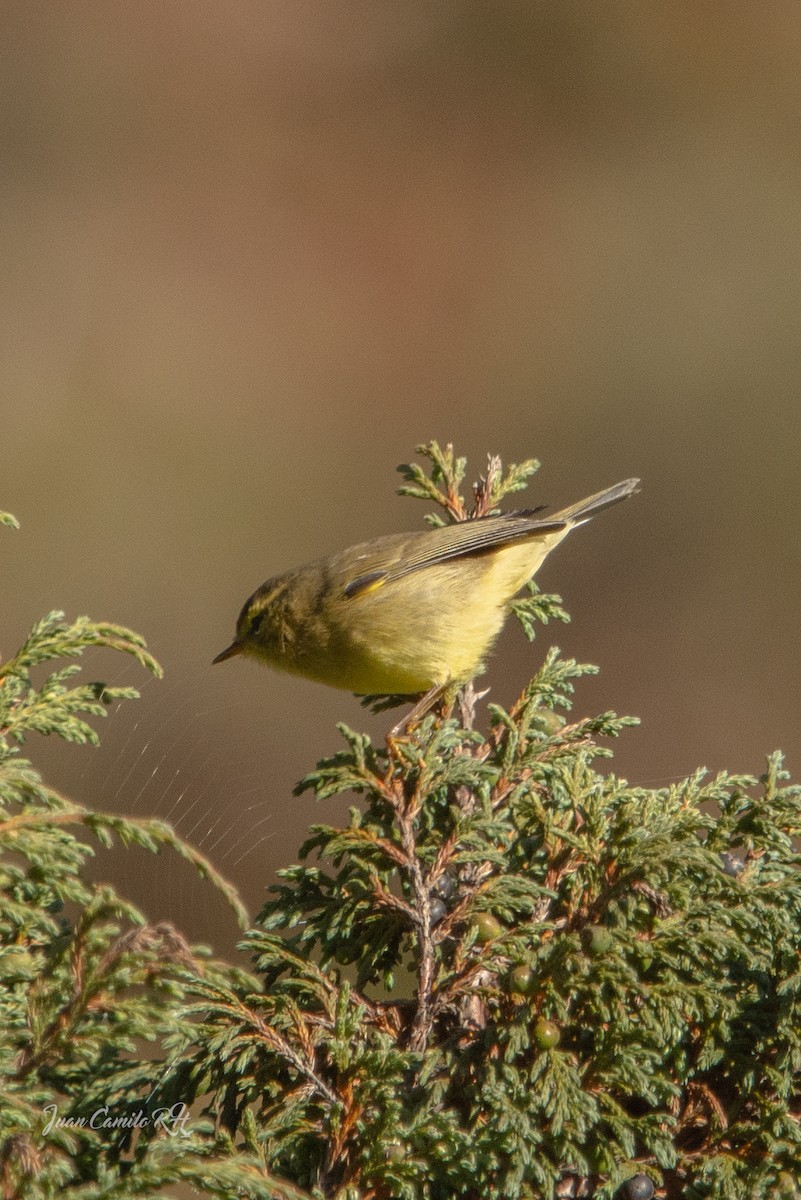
(93, 998)
(510, 974)
(447, 475)
(672, 1039)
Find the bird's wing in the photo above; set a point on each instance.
(478, 536)
(457, 541)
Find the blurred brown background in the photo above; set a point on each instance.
(254, 253)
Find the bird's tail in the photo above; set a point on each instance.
(576, 514)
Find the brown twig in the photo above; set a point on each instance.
(484, 489)
(266, 1033)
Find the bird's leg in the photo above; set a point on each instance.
(426, 701)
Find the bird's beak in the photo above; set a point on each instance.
(229, 652)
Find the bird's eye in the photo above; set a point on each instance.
(255, 622)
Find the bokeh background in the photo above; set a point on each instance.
(254, 253)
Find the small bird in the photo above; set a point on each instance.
(408, 613)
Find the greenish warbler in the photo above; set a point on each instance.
(410, 612)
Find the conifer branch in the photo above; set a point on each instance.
(606, 998)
